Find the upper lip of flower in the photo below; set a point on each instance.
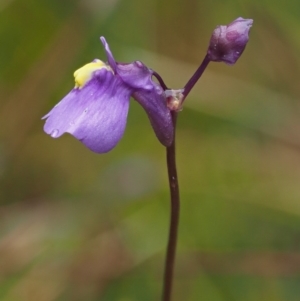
(95, 111)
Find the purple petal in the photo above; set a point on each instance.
(150, 96)
(154, 103)
(109, 55)
(95, 114)
(136, 75)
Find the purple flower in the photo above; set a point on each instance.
(95, 111)
(228, 42)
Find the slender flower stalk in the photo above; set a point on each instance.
(174, 218)
(193, 80)
(160, 80)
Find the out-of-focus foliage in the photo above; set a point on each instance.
(79, 226)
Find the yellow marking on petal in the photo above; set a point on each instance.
(84, 74)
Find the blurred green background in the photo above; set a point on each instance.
(79, 226)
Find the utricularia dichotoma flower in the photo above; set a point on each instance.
(95, 111)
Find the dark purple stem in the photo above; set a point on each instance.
(160, 80)
(190, 84)
(174, 187)
(174, 220)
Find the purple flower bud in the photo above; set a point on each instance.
(228, 42)
(95, 111)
